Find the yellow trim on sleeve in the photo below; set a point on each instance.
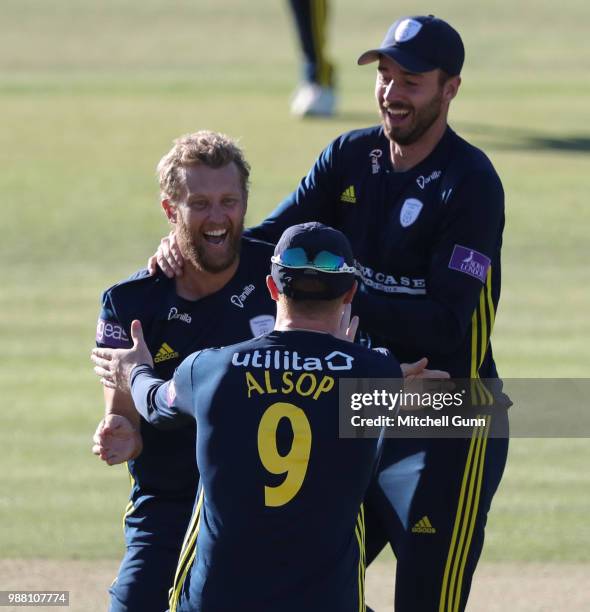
(490, 300)
(484, 330)
(474, 344)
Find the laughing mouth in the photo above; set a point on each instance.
(216, 236)
(397, 113)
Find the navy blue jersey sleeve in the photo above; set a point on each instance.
(164, 404)
(111, 330)
(460, 268)
(311, 201)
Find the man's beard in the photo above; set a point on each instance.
(194, 248)
(422, 121)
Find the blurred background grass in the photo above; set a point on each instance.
(92, 94)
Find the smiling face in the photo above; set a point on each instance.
(209, 216)
(411, 103)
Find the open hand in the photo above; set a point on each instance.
(114, 366)
(168, 257)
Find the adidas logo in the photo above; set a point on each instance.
(165, 353)
(348, 195)
(423, 526)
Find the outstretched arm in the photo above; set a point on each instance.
(114, 365)
(117, 438)
(130, 371)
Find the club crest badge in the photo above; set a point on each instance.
(262, 324)
(410, 211)
(407, 29)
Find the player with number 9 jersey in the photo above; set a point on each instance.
(278, 523)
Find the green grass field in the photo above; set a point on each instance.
(91, 95)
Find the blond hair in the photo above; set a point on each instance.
(212, 149)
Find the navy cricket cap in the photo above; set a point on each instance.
(421, 44)
(313, 261)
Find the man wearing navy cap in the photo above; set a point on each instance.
(424, 212)
(278, 514)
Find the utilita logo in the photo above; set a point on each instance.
(287, 360)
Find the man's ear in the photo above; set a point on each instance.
(451, 87)
(272, 288)
(349, 295)
(169, 210)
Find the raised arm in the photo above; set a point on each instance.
(131, 371)
(117, 437)
(313, 200)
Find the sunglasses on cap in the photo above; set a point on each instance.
(324, 261)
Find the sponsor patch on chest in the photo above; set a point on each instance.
(422, 180)
(180, 316)
(374, 156)
(278, 359)
(470, 262)
(239, 300)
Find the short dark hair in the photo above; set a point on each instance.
(311, 306)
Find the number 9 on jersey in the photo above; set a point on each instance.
(294, 463)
